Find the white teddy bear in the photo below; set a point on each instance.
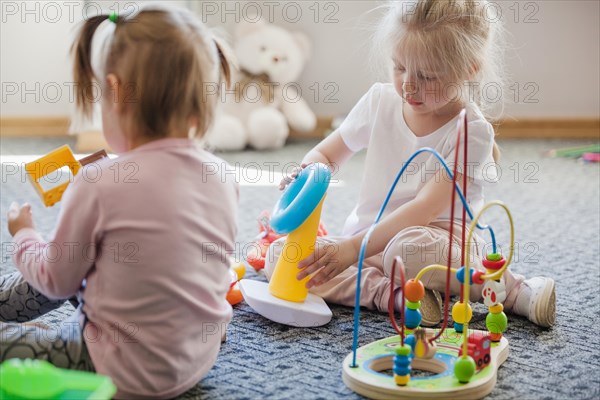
(264, 101)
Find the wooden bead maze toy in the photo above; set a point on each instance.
(464, 362)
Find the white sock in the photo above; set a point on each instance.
(398, 300)
(522, 301)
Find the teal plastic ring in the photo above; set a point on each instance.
(300, 198)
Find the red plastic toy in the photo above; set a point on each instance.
(257, 253)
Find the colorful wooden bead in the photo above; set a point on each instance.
(413, 305)
(414, 290)
(404, 350)
(477, 277)
(411, 341)
(459, 310)
(460, 275)
(458, 327)
(496, 323)
(493, 262)
(412, 318)
(402, 361)
(496, 308)
(464, 369)
(401, 380)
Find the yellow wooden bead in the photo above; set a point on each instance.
(458, 312)
(496, 308)
(402, 380)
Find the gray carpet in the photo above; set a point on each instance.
(556, 206)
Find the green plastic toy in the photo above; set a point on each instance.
(38, 379)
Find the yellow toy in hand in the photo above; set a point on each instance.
(54, 161)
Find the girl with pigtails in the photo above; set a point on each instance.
(152, 308)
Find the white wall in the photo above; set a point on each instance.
(560, 54)
(35, 38)
(555, 60)
(34, 65)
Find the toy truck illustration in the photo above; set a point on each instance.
(479, 344)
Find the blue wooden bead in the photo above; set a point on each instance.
(402, 371)
(460, 275)
(458, 327)
(412, 318)
(411, 341)
(401, 361)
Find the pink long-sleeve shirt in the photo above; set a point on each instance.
(149, 232)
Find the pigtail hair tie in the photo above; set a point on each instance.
(113, 17)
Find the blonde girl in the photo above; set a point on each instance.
(438, 50)
(144, 243)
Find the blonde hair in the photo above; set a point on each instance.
(458, 40)
(163, 58)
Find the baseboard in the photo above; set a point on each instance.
(526, 128)
(34, 126)
(549, 128)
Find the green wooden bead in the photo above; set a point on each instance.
(496, 323)
(494, 256)
(403, 350)
(413, 305)
(464, 369)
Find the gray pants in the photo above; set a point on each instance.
(61, 345)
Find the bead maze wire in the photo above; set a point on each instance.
(397, 260)
(495, 275)
(365, 241)
(462, 119)
(464, 217)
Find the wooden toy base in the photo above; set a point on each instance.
(312, 312)
(368, 379)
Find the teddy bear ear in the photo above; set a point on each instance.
(303, 42)
(249, 25)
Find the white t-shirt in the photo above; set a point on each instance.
(377, 123)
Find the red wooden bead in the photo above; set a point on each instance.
(477, 277)
(494, 265)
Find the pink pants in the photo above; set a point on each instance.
(418, 246)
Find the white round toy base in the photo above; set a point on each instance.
(313, 312)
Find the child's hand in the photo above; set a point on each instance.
(19, 218)
(330, 259)
(288, 179)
